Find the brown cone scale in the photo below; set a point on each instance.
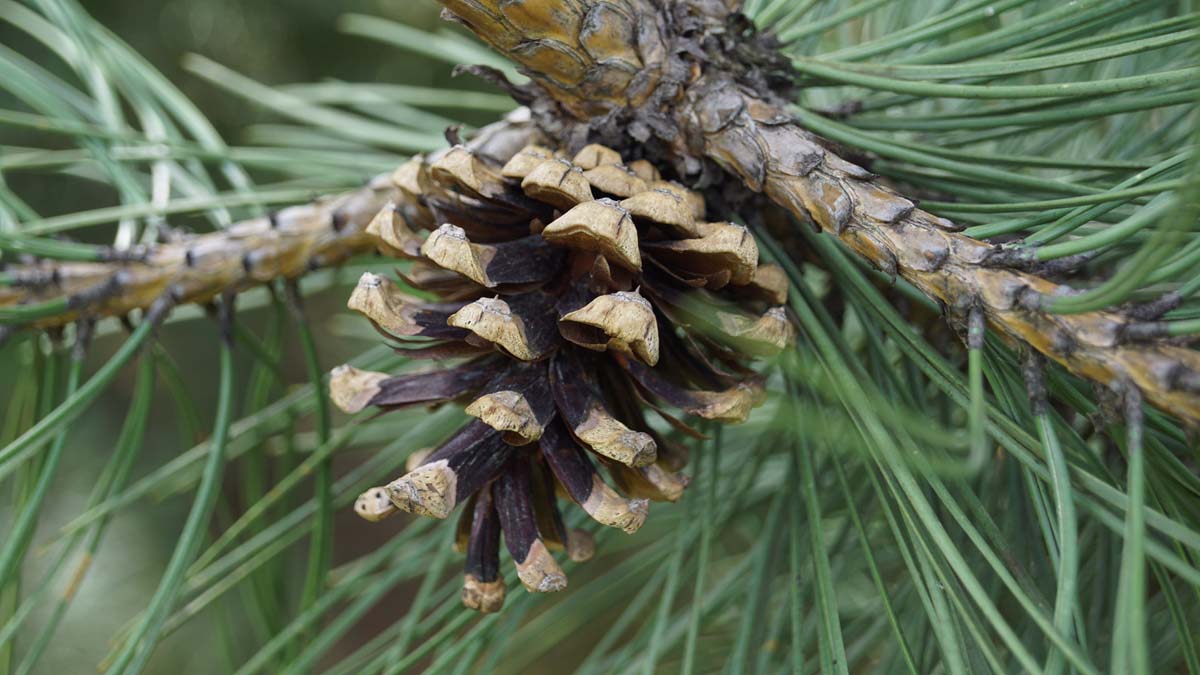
(564, 282)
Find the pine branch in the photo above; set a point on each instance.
(684, 76)
(284, 245)
(197, 268)
(790, 166)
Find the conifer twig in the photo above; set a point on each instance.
(194, 269)
(286, 244)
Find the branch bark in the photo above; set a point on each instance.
(677, 75)
(285, 245)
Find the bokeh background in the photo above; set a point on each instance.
(1001, 155)
(278, 42)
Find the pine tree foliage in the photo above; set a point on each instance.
(915, 495)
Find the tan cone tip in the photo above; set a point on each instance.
(766, 335)
(645, 170)
(693, 199)
(449, 247)
(722, 246)
(615, 180)
(407, 176)
(457, 165)
(607, 436)
(557, 182)
(493, 320)
(670, 485)
(626, 318)
(509, 413)
(606, 507)
(539, 572)
(603, 226)
(391, 233)
(378, 299)
(486, 597)
(770, 280)
(352, 389)
(426, 491)
(374, 505)
(731, 406)
(665, 208)
(525, 161)
(594, 155)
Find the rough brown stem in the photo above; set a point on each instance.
(198, 268)
(285, 245)
(787, 163)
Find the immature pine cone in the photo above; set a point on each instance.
(573, 294)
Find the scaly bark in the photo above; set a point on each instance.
(684, 81)
(197, 268)
(285, 245)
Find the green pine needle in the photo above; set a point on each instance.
(896, 506)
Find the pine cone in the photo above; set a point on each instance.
(573, 294)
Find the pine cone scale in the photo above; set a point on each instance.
(573, 282)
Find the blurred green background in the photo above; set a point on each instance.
(1064, 147)
(274, 43)
(280, 42)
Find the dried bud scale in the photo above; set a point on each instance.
(570, 288)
